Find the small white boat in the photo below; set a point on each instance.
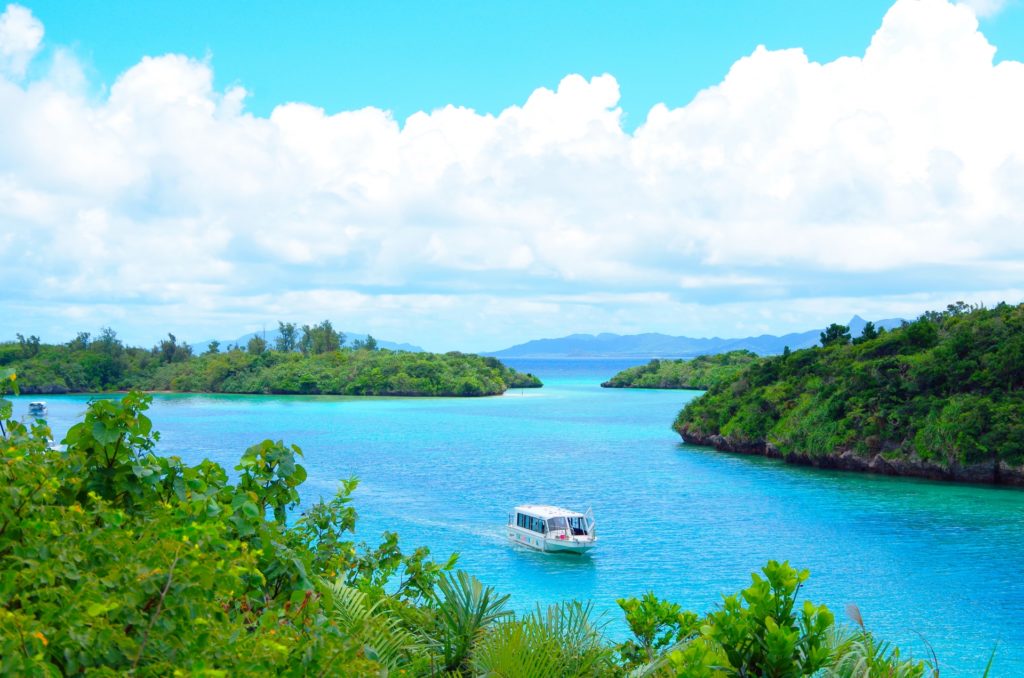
(37, 408)
(552, 529)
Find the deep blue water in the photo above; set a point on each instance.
(921, 559)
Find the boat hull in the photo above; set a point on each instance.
(539, 542)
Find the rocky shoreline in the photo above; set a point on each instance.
(992, 473)
(657, 387)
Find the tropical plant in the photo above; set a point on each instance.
(373, 626)
(114, 560)
(465, 608)
(857, 654)
(562, 640)
(759, 632)
(656, 624)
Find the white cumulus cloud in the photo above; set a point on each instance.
(890, 175)
(20, 37)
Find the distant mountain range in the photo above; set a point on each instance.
(652, 345)
(271, 337)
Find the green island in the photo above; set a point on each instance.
(306, 360)
(940, 397)
(700, 373)
(115, 560)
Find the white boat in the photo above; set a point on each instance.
(552, 529)
(37, 408)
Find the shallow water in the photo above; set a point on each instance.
(922, 560)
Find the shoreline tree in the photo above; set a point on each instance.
(286, 337)
(256, 346)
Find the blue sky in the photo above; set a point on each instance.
(409, 56)
(473, 175)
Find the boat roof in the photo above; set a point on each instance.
(543, 511)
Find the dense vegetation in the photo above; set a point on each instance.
(941, 397)
(314, 361)
(701, 373)
(117, 561)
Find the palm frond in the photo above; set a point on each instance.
(858, 655)
(465, 610)
(561, 640)
(380, 633)
(991, 660)
(510, 651)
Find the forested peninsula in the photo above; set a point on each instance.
(700, 373)
(306, 360)
(940, 398)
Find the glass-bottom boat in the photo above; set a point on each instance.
(552, 529)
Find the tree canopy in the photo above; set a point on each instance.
(836, 334)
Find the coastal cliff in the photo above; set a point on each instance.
(988, 472)
(938, 398)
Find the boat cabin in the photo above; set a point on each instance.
(565, 524)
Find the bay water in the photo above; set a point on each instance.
(932, 566)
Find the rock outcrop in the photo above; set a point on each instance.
(994, 473)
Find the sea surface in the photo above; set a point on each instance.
(932, 566)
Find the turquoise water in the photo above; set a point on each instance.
(922, 560)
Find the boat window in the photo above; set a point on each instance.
(578, 524)
(529, 523)
(556, 523)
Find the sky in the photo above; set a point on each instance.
(468, 176)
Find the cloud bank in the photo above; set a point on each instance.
(790, 194)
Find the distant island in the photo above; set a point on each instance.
(700, 373)
(303, 360)
(653, 345)
(941, 397)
